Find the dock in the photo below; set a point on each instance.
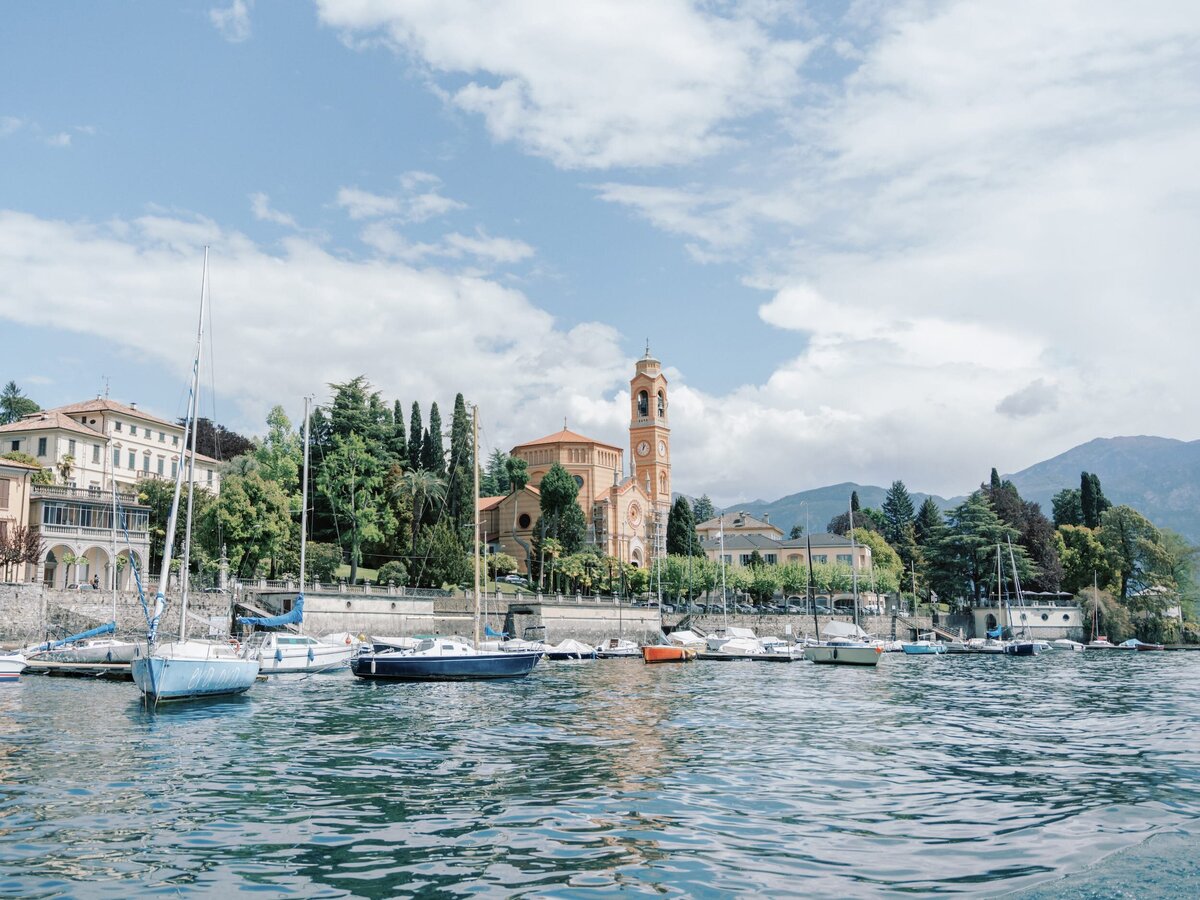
(112, 671)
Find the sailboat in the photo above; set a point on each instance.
(187, 669)
(280, 653)
(843, 643)
(1026, 646)
(448, 659)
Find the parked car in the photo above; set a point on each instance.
(515, 579)
(667, 608)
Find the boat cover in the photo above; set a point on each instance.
(842, 630)
(294, 617)
(106, 628)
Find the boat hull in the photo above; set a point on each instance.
(667, 654)
(1021, 648)
(923, 649)
(843, 656)
(410, 667)
(169, 678)
(11, 667)
(93, 653)
(287, 661)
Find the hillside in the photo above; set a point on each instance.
(1159, 477)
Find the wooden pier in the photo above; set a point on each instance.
(111, 671)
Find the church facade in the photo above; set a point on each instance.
(626, 514)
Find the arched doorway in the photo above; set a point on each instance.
(125, 579)
(58, 566)
(95, 568)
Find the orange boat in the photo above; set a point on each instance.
(664, 654)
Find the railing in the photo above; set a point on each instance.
(66, 492)
(105, 533)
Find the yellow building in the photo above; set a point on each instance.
(626, 514)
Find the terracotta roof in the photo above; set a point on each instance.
(100, 404)
(565, 437)
(486, 503)
(819, 539)
(50, 418)
(736, 521)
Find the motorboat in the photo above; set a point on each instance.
(736, 648)
(191, 669)
(93, 652)
(570, 649)
(664, 653)
(924, 646)
(686, 638)
(442, 659)
(1066, 644)
(985, 645)
(777, 649)
(617, 648)
(280, 653)
(1022, 648)
(1103, 643)
(721, 636)
(11, 666)
(1135, 644)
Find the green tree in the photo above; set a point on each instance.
(854, 506)
(702, 510)
(561, 516)
(351, 479)
(1084, 559)
(433, 452)
(797, 532)
(518, 476)
(899, 519)
(500, 564)
(1092, 501)
(65, 467)
(397, 443)
(415, 434)
(460, 476)
(960, 559)
(928, 522)
(425, 489)
(764, 582)
(495, 476)
(392, 572)
(251, 517)
(41, 476)
(440, 558)
(1137, 550)
(280, 455)
(1067, 505)
(14, 405)
(322, 561)
(157, 494)
(681, 530)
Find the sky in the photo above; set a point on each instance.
(869, 241)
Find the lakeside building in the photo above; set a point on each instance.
(16, 479)
(93, 449)
(626, 515)
(740, 546)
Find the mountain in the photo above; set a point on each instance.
(1159, 477)
(824, 504)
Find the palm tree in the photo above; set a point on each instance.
(553, 548)
(424, 487)
(65, 466)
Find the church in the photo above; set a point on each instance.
(626, 514)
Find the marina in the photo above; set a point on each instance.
(605, 776)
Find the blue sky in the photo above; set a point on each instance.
(869, 241)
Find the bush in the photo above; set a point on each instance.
(392, 572)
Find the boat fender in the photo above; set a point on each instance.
(835, 652)
(347, 640)
(311, 657)
(278, 655)
(372, 667)
(108, 656)
(878, 649)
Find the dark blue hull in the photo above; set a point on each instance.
(396, 667)
(1022, 649)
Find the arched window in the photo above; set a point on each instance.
(662, 405)
(662, 482)
(643, 404)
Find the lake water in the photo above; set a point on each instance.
(1063, 775)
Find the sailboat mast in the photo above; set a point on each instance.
(853, 564)
(812, 601)
(1017, 587)
(187, 528)
(112, 569)
(724, 610)
(475, 481)
(160, 598)
(304, 497)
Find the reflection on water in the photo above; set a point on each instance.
(929, 774)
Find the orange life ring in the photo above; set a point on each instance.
(347, 640)
(234, 643)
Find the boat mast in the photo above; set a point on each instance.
(475, 546)
(113, 566)
(191, 467)
(724, 609)
(1017, 587)
(304, 497)
(812, 600)
(160, 598)
(853, 565)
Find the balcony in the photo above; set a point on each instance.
(65, 492)
(95, 534)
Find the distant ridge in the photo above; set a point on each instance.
(1159, 477)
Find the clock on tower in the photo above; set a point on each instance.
(650, 432)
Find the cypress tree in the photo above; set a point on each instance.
(854, 507)
(461, 482)
(681, 530)
(414, 438)
(1087, 500)
(437, 452)
(398, 445)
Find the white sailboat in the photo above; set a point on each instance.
(280, 653)
(187, 669)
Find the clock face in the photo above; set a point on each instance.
(643, 448)
(662, 448)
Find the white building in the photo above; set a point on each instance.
(90, 447)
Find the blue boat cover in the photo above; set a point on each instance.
(295, 617)
(996, 633)
(106, 628)
(487, 632)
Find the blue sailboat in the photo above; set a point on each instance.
(448, 659)
(187, 669)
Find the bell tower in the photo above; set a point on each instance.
(650, 443)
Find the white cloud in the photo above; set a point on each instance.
(481, 247)
(593, 85)
(260, 206)
(10, 125)
(415, 333)
(233, 21)
(411, 205)
(61, 139)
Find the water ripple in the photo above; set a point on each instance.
(944, 775)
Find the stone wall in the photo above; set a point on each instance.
(31, 612)
(802, 625)
(326, 612)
